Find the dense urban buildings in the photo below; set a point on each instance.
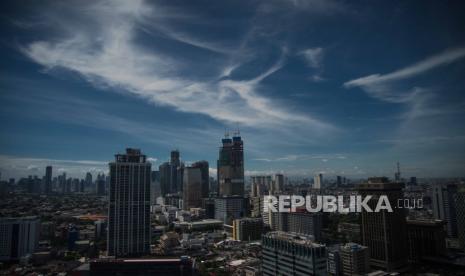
(129, 205)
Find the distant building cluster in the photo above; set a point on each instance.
(182, 221)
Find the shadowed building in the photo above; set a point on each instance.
(129, 207)
(384, 233)
(231, 167)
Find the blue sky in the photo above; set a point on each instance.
(339, 87)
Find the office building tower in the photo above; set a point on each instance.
(260, 185)
(425, 238)
(101, 191)
(291, 254)
(88, 180)
(318, 181)
(230, 167)
(205, 174)
(129, 206)
(171, 174)
(209, 205)
(256, 206)
(48, 180)
(230, 208)
(384, 232)
(460, 209)
(192, 191)
(333, 262)
(444, 206)
(338, 181)
(18, 237)
(155, 186)
(278, 183)
(301, 222)
(247, 229)
(355, 259)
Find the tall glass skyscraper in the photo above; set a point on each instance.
(231, 167)
(129, 208)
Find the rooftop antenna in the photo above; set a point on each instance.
(226, 133)
(238, 131)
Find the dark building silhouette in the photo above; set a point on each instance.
(129, 210)
(231, 167)
(171, 174)
(384, 232)
(48, 180)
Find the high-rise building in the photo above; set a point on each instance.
(192, 192)
(278, 183)
(354, 259)
(48, 180)
(228, 209)
(384, 232)
(89, 185)
(338, 181)
(205, 174)
(230, 168)
(301, 222)
(247, 229)
(18, 237)
(318, 181)
(460, 208)
(291, 254)
(171, 174)
(444, 206)
(333, 262)
(129, 206)
(425, 238)
(155, 189)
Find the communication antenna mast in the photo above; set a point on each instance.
(238, 131)
(226, 133)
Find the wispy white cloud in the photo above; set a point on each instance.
(313, 56)
(382, 87)
(314, 59)
(109, 56)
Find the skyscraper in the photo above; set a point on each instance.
(231, 167)
(355, 259)
(204, 171)
(460, 208)
(171, 174)
(192, 192)
(18, 237)
(48, 180)
(318, 181)
(129, 207)
(89, 185)
(384, 232)
(444, 206)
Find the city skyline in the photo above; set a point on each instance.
(324, 87)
